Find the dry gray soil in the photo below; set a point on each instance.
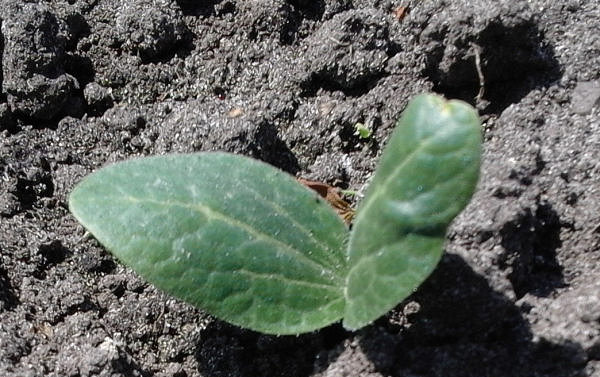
(88, 82)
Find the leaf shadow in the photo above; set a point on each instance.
(465, 328)
(462, 328)
(227, 350)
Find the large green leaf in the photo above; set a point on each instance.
(426, 176)
(232, 235)
(248, 244)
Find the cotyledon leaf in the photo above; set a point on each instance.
(234, 236)
(426, 176)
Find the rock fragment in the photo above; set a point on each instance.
(585, 97)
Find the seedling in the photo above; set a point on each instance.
(249, 244)
(362, 131)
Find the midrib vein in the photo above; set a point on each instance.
(301, 227)
(213, 214)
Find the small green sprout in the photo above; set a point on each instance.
(247, 243)
(362, 131)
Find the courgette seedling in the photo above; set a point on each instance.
(247, 243)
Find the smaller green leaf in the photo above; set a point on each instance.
(426, 176)
(362, 131)
(234, 236)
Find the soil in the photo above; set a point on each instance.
(89, 82)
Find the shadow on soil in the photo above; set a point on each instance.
(230, 351)
(531, 242)
(531, 60)
(8, 298)
(463, 328)
(201, 8)
(268, 147)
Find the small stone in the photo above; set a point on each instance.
(585, 97)
(172, 370)
(98, 97)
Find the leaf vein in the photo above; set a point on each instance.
(281, 277)
(211, 213)
(301, 227)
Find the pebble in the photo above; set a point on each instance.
(585, 97)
